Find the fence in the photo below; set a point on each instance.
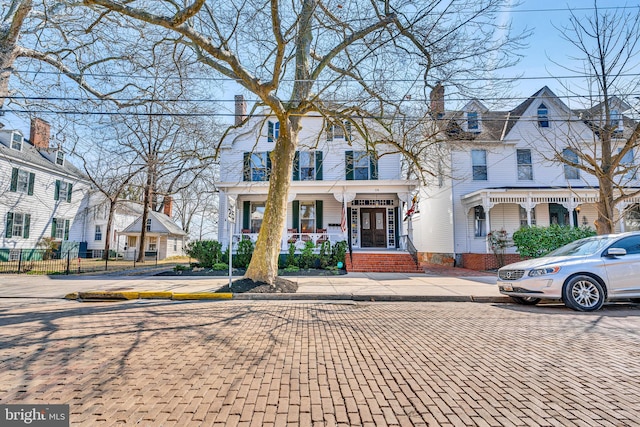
(44, 261)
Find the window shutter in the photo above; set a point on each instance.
(69, 190)
(270, 131)
(268, 165)
(53, 227)
(66, 229)
(349, 165)
(347, 133)
(318, 165)
(56, 195)
(9, 231)
(319, 214)
(329, 131)
(32, 180)
(14, 180)
(27, 224)
(246, 214)
(296, 166)
(373, 163)
(246, 169)
(295, 215)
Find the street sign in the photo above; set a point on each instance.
(231, 210)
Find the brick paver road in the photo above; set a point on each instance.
(273, 363)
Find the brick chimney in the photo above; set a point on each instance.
(168, 206)
(437, 101)
(241, 109)
(40, 133)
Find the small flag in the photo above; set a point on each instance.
(343, 220)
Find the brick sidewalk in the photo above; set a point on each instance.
(315, 364)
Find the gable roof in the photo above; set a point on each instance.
(162, 225)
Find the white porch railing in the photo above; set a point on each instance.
(298, 239)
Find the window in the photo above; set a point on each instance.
(60, 228)
(16, 141)
(626, 164)
(473, 125)
(63, 191)
(341, 131)
(525, 168)
(479, 162)
(570, 172)
(257, 214)
(98, 233)
(615, 120)
(257, 166)
(631, 244)
(148, 224)
(175, 244)
(153, 245)
(308, 217)
(523, 217)
(60, 158)
(361, 165)
(307, 163)
(632, 218)
(17, 225)
(273, 131)
(22, 181)
(479, 218)
(543, 116)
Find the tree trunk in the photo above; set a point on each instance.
(145, 215)
(264, 262)
(107, 243)
(604, 224)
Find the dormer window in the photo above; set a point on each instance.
(543, 116)
(16, 141)
(273, 131)
(339, 131)
(615, 120)
(473, 124)
(148, 224)
(60, 158)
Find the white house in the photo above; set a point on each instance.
(40, 191)
(499, 174)
(339, 190)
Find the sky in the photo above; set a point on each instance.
(536, 67)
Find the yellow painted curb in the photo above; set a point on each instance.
(202, 296)
(109, 295)
(156, 294)
(72, 295)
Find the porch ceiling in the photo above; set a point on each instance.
(328, 187)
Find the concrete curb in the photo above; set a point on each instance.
(166, 295)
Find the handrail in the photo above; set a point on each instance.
(407, 245)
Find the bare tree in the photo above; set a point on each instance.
(607, 45)
(196, 205)
(296, 57)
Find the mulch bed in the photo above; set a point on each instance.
(247, 285)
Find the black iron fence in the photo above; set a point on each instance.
(45, 261)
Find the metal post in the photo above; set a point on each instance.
(68, 262)
(20, 260)
(135, 255)
(230, 255)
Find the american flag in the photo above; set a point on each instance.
(343, 220)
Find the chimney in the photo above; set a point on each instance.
(168, 205)
(437, 101)
(241, 109)
(40, 133)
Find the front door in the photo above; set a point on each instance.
(373, 228)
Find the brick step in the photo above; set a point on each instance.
(382, 263)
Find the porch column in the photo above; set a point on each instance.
(285, 232)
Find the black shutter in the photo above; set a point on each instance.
(69, 190)
(296, 166)
(32, 179)
(246, 169)
(348, 162)
(27, 224)
(14, 180)
(373, 164)
(246, 214)
(295, 215)
(319, 214)
(9, 231)
(318, 165)
(54, 222)
(56, 195)
(66, 229)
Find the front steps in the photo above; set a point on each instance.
(382, 262)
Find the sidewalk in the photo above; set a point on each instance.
(437, 284)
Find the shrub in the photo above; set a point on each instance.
(220, 266)
(244, 253)
(498, 242)
(207, 252)
(291, 257)
(180, 267)
(50, 245)
(307, 257)
(339, 252)
(325, 254)
(536, 241)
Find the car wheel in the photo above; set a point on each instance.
(526, 300)
(583, 293)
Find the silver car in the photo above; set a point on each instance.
(583, 274)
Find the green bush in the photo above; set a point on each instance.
(325, 254)
(338, 253)
(307, 257)
(244, 253)
(536, 241)
(291, 257)
(220, 266)
(180, 267)
(207, 252)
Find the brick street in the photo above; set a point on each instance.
(279, 363)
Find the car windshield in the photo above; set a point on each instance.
(588, 246)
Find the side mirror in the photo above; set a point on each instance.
(616, 252)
